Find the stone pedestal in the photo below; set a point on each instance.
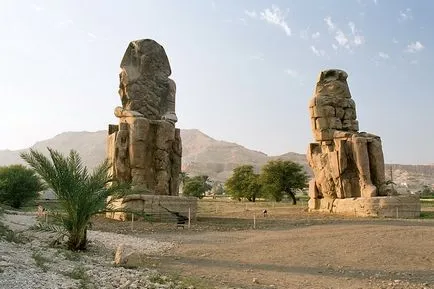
(388, 207)
(156, 208)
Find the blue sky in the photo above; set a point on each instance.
(245, 70)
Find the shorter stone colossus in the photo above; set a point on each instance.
(346, 163)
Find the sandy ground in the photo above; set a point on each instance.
(291, 249)
(306, 251)
(319, 256)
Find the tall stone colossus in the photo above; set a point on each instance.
(347, 164)
(145, 148)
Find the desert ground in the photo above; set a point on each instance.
(291, 248)
(288, 248)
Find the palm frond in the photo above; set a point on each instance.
(48, 227)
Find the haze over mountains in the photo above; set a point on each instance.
(202, 155)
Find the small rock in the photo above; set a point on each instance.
(255, 280)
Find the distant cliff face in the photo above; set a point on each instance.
(204, 155)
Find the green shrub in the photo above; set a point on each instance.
(18, 185)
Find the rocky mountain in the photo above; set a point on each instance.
(204, 155)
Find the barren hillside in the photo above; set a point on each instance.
(204, 155)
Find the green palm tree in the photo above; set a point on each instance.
(81, 194)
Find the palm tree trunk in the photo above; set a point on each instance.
(77, 241)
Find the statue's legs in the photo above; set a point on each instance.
(376, 161)
(361, 156)
(122, 164)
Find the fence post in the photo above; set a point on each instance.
(254, 221)
(132, 221)
(189, 217)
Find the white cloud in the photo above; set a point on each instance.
(330, 24)
(358, 40)
(395, 41)
(317, 52)
(277, 17)
(292, 73)
(257, 56)
(91, 35)
(405, 15)
(414, 47)
(335, 47)
(414, 62)
(341, 39)
(383, 55)
(375, 2)
(316, 35)
(352, 27)
(251, 14)
(349, 40)
(213, 5)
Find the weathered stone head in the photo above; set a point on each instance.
(145, 57)
(145, 86)
(331, 108)
(333, 82)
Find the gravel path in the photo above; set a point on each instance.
(35, 265)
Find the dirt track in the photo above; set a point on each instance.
(292, 249)
(306, 251)
(356, 255)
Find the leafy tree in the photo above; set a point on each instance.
(217, 189)
(18, 185)
(279, 177)
(244, 183)
(81, 194)
(427, 191)
(196, 186)
(183, 176)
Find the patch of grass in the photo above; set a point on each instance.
(40, 261)
(10, 236)
(158, 278)
(427, 215)
(79, 273)
(186, 282)
(4, 230)
(175, 281)
(70, 255)
(427, 204)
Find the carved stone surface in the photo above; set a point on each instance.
(145, 148)
(145, 86)
(346, 163)
(157, 208)
(403, 206)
